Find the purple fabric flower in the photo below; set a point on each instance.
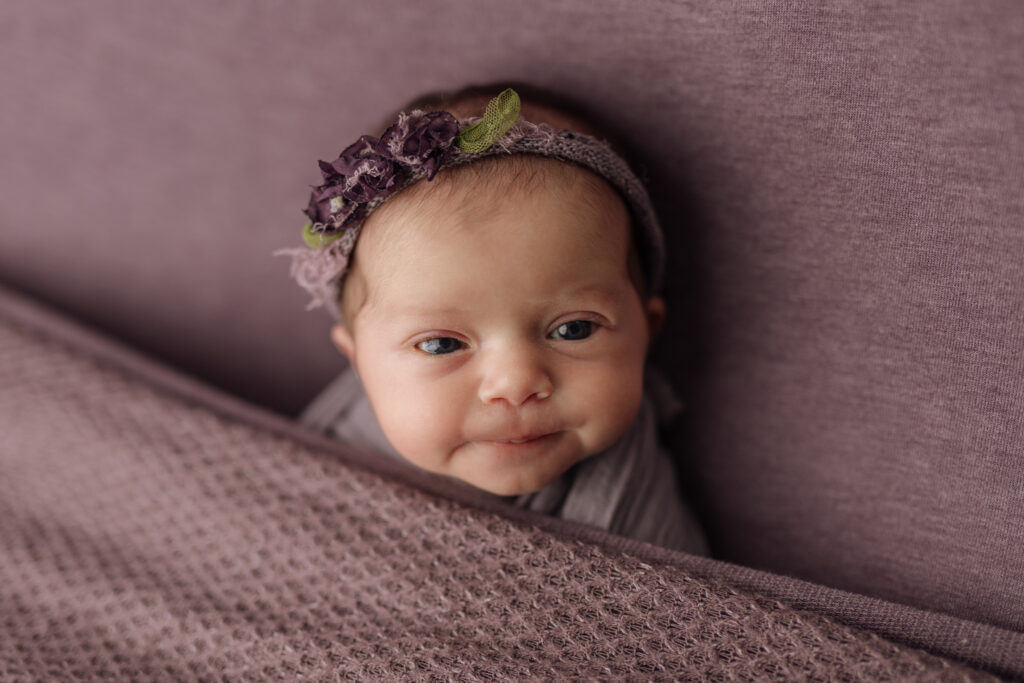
(348, 162)
(328, 205)
(373, 178)
(372, 168)
(422, 139)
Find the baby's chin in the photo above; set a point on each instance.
(506, 470)
(512, 481)
(513, 485)
(513, 489)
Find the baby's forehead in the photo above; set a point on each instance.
(581, 210)
(575, 206)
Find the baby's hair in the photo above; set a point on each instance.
(537, 105)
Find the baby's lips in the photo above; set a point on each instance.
(522, 437)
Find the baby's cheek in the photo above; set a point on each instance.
(615, 398)
(414, 424)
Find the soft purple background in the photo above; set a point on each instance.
(842, 188)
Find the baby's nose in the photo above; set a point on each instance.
(514, 375)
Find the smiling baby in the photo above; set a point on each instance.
(494, 281)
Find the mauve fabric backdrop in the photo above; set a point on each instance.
(841, 187)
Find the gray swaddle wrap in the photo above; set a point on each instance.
(629, 489)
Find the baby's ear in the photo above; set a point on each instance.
(342, 338)
(655, 309)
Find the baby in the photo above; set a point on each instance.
(494, 281)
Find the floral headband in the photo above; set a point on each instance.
(417, 146)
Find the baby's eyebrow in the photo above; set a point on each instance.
(601, 290)
(602, 293)
(423, 309)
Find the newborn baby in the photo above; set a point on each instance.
(494, 283)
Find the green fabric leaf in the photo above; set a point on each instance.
(501, 113)
(317, 239)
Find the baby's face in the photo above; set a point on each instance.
(502, 340)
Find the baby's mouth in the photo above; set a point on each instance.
(521, 439)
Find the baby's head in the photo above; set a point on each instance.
(499, 314)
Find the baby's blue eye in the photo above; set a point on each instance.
(439, 346)
(574, 330)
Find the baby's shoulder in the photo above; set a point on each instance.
(664, 399)
(333, 400)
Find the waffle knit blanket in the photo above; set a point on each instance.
(151, 528)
